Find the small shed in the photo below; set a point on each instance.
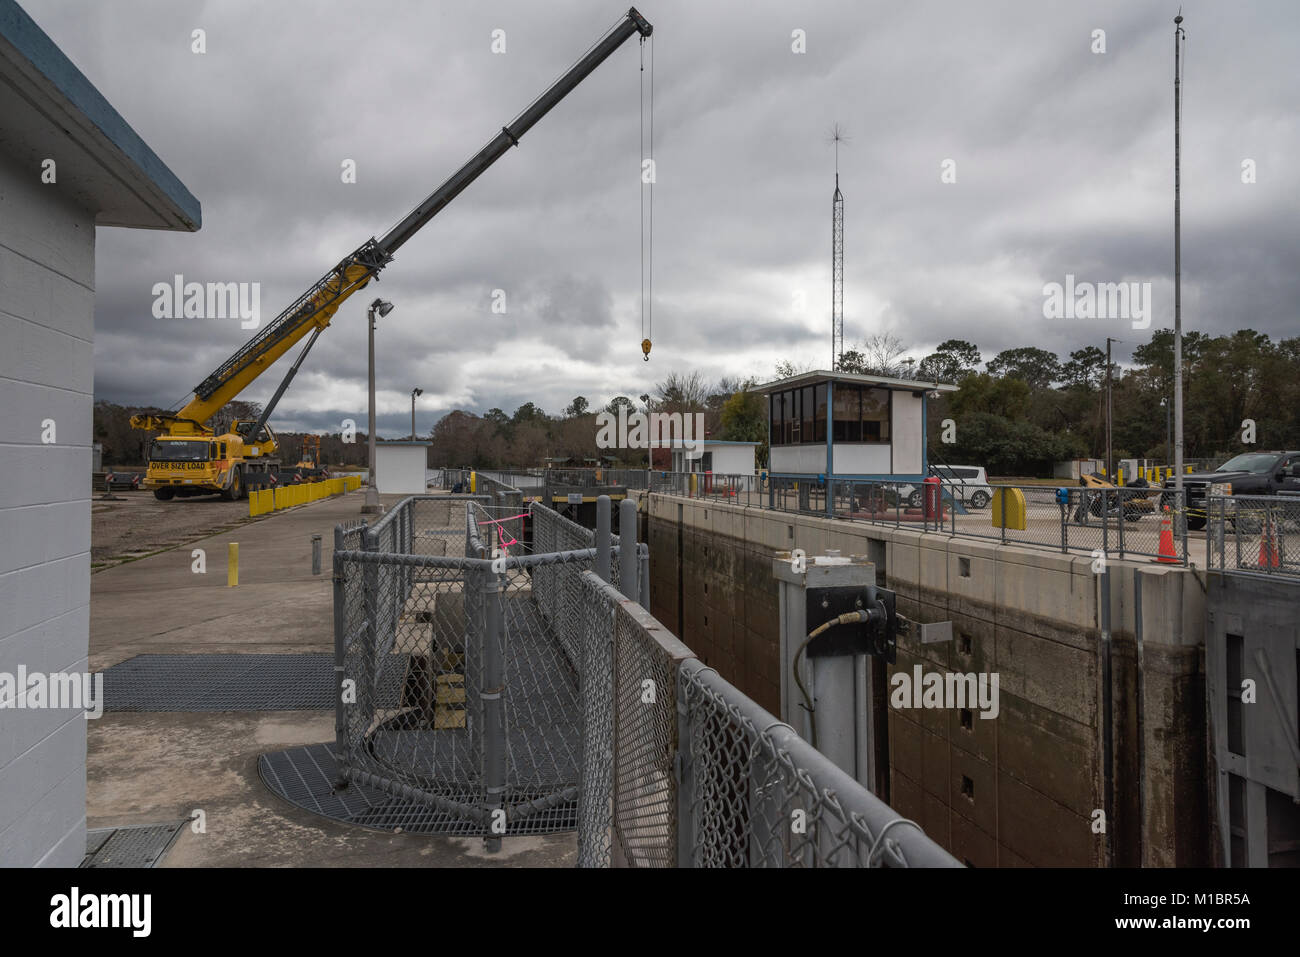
(719, 456)
(401, 468)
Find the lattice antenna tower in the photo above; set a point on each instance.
(837, 256)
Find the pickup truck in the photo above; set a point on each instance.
(1251, 473)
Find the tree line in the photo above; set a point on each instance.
(1028, 408)
(1016, 413)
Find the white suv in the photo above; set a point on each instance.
(968, 482)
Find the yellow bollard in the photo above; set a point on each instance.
(232, 564)
(1009, 508)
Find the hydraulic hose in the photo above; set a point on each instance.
(848, 618)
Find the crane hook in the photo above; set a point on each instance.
(645, 348)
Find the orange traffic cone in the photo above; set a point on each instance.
(1268, 556)
(1168, 553)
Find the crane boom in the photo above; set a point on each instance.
(314, 309)
(510, 135)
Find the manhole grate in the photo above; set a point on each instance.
(233, 682)
(305, 777)
(142, 846)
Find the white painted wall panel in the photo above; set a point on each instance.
(908, 435)
(47, 267)
(400, 469)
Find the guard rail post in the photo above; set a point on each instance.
(491, 694)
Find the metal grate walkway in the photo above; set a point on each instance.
(305, 777)
(216, 683)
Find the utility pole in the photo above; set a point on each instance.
(1180, 38)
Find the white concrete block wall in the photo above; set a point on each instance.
(47, 275)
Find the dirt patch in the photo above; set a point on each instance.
(135, 524)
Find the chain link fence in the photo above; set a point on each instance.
(521, 688)
(454, 689)
(1253, 534)
(683, 770)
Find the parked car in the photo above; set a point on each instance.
(1251, 473)
(968, 483)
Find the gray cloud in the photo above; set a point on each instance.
(1064, 162)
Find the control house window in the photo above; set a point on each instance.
(859, 414)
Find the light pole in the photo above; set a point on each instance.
(414, 393)
(1110, 417)
(372, 505)
(1179, 38)
(649, 453)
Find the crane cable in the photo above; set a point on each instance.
(647, 236)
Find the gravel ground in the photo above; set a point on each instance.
(137, 524)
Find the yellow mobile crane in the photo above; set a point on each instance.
(188, 457)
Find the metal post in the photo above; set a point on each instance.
(603, 540)
(685, 781)
(644, 558)
(1182, 522)
(315, 552)
(1120, 522)
(1110, 464)
(1105, 523)
(1179, 38)
(340, 649)
(370, 603)
(1107, 770)
(1065, 523)
(490, 696)
(628, 572)
(371, 505)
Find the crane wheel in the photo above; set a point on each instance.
(235, 491)
(163, 494)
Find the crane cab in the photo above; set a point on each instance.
(182, 466)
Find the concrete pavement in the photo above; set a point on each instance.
(158, 767)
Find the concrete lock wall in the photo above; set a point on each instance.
(1023, 788)
(47, 276)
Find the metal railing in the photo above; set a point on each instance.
(683, 770)
(1132, 520)
(530, 478)
(1253, 534)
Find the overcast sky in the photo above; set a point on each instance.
(1063, 159)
